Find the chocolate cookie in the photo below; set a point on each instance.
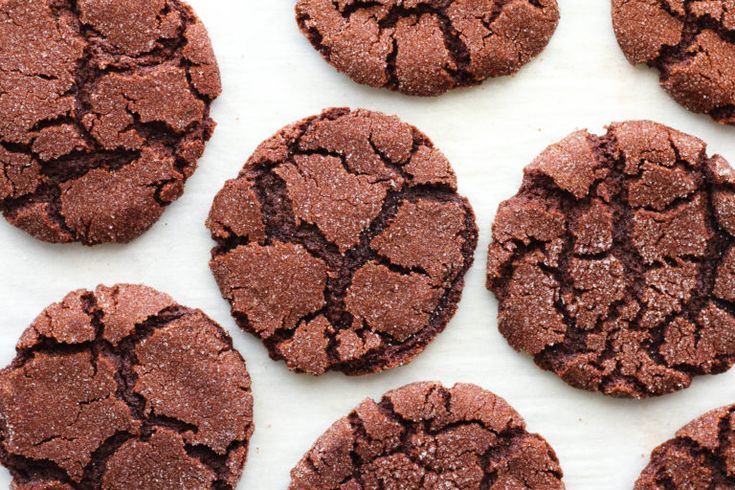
(690, 42)
(343, 243)
(426, 436)
(702, 455)
(614, 264)
(105, 111)
(426, 47)
(122, 388)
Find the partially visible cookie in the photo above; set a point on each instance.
(105, 112)
(614, 264)
(702, 455)
(691, 43)
(426, 436)
(123, 388)
(426, 47)
(343, 243)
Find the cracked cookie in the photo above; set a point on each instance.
(702, 455)
(105, 113)
(690, 42)
(426, 436)
(123, 388)
(426, 47)
(343, 243)
(614, 264)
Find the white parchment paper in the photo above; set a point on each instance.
(272, 77)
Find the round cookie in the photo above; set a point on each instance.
(614, 264)
(690, 42)
(426, 436)
(426, 47)
(123, 388)
(702, 455)
(105, 110)
(343, 243)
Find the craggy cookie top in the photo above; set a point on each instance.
(426, 436)
(614, 265)
(123, 388)
(105, 111)
(343, 243)
(691, 43)
(702, 455)
(426, 47)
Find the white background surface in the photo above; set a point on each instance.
(272, 77)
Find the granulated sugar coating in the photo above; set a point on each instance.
(105, 112)
(702, 455)
(426, 436)
(690, 42)
(614, 265)
(426, 47)
(122, 388)
(343, 243)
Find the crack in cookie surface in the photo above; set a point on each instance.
(690, 42)
(343, 243)
(106, 112)
(123, 388)
(702, 455)
(426, 47)
(612, 264)
(426, 436)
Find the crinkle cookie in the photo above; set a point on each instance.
(425, 436)
(105, 112)
(123, 388)
(426, 47)
(701, 455)
(692, 45)
(614, 264)
(343, 243)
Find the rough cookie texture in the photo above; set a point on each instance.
(123, 388)
(105, 112)
(614, 263)
(701, 456)
(343, 243)
(426, 47)
(425, 436)
(690, 42)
